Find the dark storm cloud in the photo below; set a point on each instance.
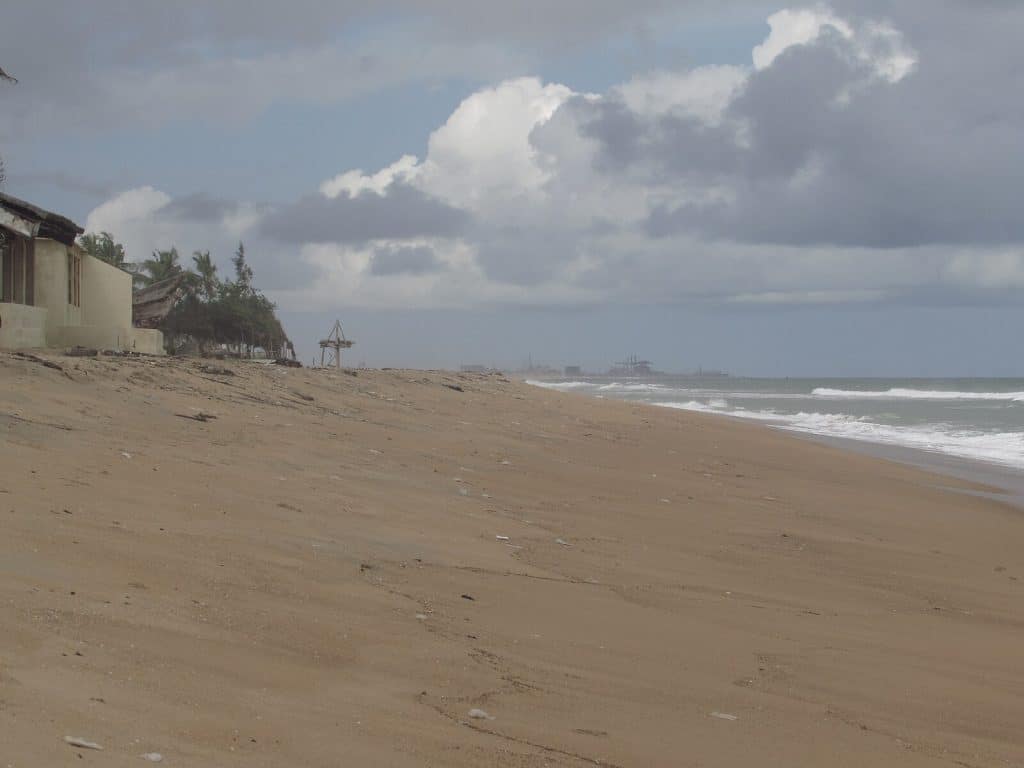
(404, 260)
(935, 159)
(112, 65)
(657, 148)
(199, 207)
(67, 182)
(402, 212)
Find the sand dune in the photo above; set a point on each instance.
(285, 567)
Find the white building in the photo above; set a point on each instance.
(53, 294)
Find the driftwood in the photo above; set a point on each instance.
(204, 417)
(41, 361)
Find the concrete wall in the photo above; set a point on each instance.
(102, 321)
(147, 341)
(22, 326)
(106, 294)
(125, 339)
(52, 286)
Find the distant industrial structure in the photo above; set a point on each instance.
(633, 366)
(573, 370)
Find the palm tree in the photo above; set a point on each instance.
(207, 272)
(163, 265)
(103, 247)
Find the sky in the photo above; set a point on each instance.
(770, 189)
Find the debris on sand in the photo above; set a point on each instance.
(41, 361)
(479, 714)
(82, 352)
(724, 716)
(215, 370)
(468, 597)
(201, 416)
(153, 757)
(78, 741)
(456, 387)
(563, 542)
(502, 538)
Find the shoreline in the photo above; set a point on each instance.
(1004, 482)
(257, 566)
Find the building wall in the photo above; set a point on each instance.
(52, 286)
(22, 326)
(106, 294)
(122, 338)
(102, 321)
(147, 341)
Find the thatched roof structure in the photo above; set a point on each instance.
(29, 220)
(151, 305)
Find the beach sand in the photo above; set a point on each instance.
(319, 576)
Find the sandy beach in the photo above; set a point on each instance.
(231, 564)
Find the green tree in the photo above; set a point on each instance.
(103, 247)
(214, 311)
(207, 273)
(243, 272)
(163, 265)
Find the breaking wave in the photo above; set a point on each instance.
(561, 385)
(617, 387)
(1006, 448)
(913, 394)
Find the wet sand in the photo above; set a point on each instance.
(999, 482)
(307, 568)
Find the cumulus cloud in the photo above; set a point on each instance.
(399, 211)
(849, 162)
(404, 260)
(147, 219)
(874, 43)
(352, 183)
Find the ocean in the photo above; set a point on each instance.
(977, 419)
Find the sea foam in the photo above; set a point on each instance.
(561, 385)
(913, 394)
(1005, 448)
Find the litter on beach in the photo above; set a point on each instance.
(502, 538)
(479, 714)
(724, 716)
(78, 741)
(153, 757)
(563, 542)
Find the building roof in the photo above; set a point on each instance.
(152, 304)
(43, 223)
